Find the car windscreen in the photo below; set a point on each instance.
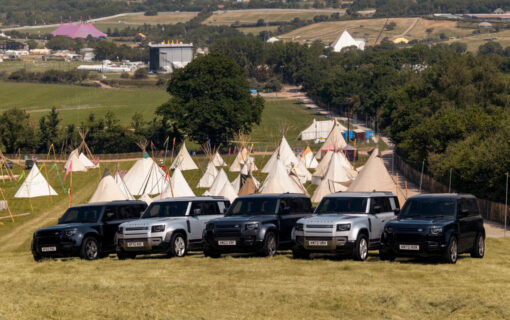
(166, 209)
(428, 207)
(342, 205)
(81, 214)
(252, 206)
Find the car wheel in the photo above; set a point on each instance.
(125, 255)
(360, 252)
(90, 249)
(270, 245)
(386, 255)
(212, 254)
(37, 257)
(300, 254)
(451, 253)
(177, 245)
(479, 248)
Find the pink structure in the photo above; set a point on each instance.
(80, 30)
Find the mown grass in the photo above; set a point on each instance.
(250, 17)
(140, 19)
(195, 287)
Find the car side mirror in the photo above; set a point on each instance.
(196, 212)
(377, 209)
(397, 211)
(463, 213)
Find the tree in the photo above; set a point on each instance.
(140, 74)
(490, 47)
(210, 100)
(17, 131)
(48, 130)
(32, 44)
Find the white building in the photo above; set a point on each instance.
(346, 40)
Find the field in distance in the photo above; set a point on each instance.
(268, 15)
(256, 288)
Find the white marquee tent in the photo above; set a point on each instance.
(319, 130)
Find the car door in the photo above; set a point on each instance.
(290, 211)
(472, 221)
(195, 223)
(464, 224)
(110, 224)
(377, 217)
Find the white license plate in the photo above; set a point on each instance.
(317, 243)
(227, 242)
(409, 247)
(135, 244)
(49, 249)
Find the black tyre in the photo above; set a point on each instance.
(37, 257)
(178, 246)
(125, 255)
(451, 253)
(360, 252)
(90, 249)
(479, 247)
(300, 254)
(270, 245)
(212, 254)
(386, 255)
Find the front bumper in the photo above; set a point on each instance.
(332, 244)
(142, 244)
(244, 242)
(55, 249)
(428, 246)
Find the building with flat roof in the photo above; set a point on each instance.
(165, 57)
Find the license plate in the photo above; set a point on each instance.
(317, 243)
(49, 249)
(227, 242)
(409, 247)
(135, 244)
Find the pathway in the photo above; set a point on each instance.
(403, 34)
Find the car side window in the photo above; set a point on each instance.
(110, 213)
(300, 205)
(473, 207)
(128, 212)
(383, 203)
(285, 203)
(209, 208)
(196, 205)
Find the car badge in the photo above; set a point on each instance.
(236, 226)
(56, 233)
(420, 230)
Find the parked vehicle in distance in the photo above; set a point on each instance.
(443, 225)
(7, 164)
(29, 163)
(345, 223)
(87, 230)
(171, 226)
(257, 223)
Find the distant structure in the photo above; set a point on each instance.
(346, 40)
(81, 30)
(167, 56)
(401, 40)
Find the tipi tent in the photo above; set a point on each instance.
(279, 181)
(375, 176)
(241, 179)
(285, 154)
(87, 163)
(319, 130)
(178, 187)
(145, 197)
(145, 176)
(208, 178)
(336, 179)
(74, 158)
(228, 192)
(249, 186)
(346, 40)
(323, 166)
(218, 183)
(218, 160)
(123, 187)
(183, 160)
(335, 141)
(308, 159)
(107, 190)
(243, 158)
(35, 185)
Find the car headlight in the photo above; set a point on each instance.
(70, 232)
(158, 228)
(121, 230)
(435, 230)
(343, 227)
(252, 226)
(388, 229)
(299, 227)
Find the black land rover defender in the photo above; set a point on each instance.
(87, 231)
(259, 223)
(443, 225)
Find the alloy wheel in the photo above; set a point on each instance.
(453, 251)
(91, 249)
(363, 249)
(481, 246)
(180, 246)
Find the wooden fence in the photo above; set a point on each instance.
(490, 210)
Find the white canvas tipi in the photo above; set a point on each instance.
(208, 178)
(285, 154)
(323, 166)
(145, 197)
(218, 183)
(228, 192)
(335, 141)
(279, 181)
(183, 161)
(243, 159)
(86, 161)
(308, 159)
(218, 160)
(122, 185)
(107, 190)
(236, 184)
(74, 158)
(145, 176)
(35, 185)
(336, 179)
(177, 186)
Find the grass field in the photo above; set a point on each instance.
(252, 16)
(256, 30)
(36, 65)
(161, 18)
(195, 287)
(370, 28)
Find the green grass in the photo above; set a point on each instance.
(37, 65)
(249, 17)
(195, 287)
(76, 102)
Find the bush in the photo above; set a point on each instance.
(124, 75)
(151, 13)
(140, 74)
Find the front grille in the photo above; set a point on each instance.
(137, 228)
(48, 233)
(319, 238)
(232, 233)
(228, 226)
(319, 226)
(410, 229)
(409, 237)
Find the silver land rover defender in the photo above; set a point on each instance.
(347, 223)
(171, 226)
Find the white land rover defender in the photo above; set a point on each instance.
(171, 226)
(348, 223)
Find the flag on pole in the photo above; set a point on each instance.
(21, 176)
(69, 168)
(97, 161)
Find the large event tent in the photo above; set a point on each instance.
(177, 186)
(145, 176)
(285, 154)
(345, 40)
(35, 185)
(81, 30)
(183, 161)
(335, 141)
(319, 130)
(107, 190)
